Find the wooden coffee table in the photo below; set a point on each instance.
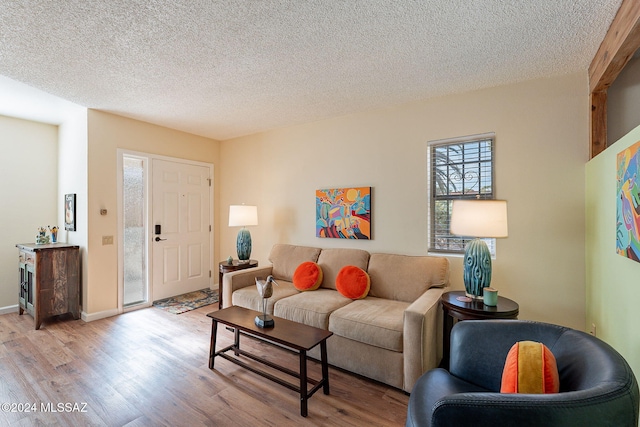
(292, 335)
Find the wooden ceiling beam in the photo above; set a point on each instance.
(617, 48)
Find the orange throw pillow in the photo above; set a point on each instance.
(353, 282)
(530, 368)
(307, 276)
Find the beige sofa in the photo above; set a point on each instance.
(393, 335)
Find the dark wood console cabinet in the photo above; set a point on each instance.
(49, 280)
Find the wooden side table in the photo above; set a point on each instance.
(225, 267)
(49, 280)
(474, 310)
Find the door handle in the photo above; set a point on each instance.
(157, 239)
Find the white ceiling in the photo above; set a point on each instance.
(26, 102)
(228, 68)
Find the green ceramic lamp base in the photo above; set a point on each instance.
(477, 268)
(243, 244)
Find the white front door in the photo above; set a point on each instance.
(180, 234)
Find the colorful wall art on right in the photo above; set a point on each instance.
(628, 203)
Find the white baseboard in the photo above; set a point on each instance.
(86, 317)
(9, 309)
(99, 315)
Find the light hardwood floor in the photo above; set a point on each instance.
(149, 368)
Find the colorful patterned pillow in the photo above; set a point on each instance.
(307, 276)
(530, 368)
(353, 282)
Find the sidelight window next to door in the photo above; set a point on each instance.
(134, 232)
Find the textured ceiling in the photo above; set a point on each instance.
(234, 67)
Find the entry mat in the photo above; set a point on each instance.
(189, 301)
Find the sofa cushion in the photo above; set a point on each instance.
(307, 276)
(249, 297)
(310, 308)
(372, 321)
(405, 278)
(353, 282)
(332, 260)
(286, 258)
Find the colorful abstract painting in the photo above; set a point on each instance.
(628, 203)
(344, 213)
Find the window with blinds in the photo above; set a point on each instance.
(459, 168)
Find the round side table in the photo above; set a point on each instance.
(473, 310)
(225, 267)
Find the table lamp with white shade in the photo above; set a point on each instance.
(243, 216)
(479, 219)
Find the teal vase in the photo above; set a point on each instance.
(477, 268)
(243, 244)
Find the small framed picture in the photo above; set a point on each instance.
(70, 212)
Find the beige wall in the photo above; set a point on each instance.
(29, 193)
(541, 148)
(72, 179)
(612, 280)
(107, 133)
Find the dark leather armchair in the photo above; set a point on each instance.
(597, 386)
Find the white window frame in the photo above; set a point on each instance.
(455, 244)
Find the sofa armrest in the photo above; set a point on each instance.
(241, 279)
(422, 332)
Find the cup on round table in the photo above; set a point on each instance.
(490, 296)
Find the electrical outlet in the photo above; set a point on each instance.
(107, 240)
(593, 329)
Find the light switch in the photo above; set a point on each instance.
(107, 240)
